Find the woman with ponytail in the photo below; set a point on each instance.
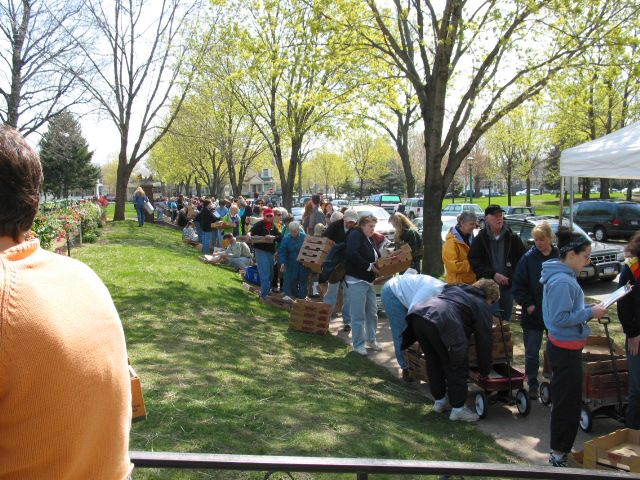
(565, 317)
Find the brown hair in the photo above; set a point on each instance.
(401, 224)
(490, 289)
(633, 247)
(367, 219)
(20, 183)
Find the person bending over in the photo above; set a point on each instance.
(443, 326)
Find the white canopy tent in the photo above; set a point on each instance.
(616, 155)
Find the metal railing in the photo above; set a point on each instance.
(362, 468)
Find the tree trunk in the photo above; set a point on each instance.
(431, 234)
(528, 183)
(402, 145)
(604, 188)
(586, 188)
(121, 193)
(509, 162)
(629, 190)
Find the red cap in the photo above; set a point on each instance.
(267, 211)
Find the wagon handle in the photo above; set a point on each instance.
(604, 320)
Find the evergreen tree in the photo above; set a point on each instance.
(66, 159)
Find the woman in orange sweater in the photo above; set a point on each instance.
(65, 392)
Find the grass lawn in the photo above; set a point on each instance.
(221, 373)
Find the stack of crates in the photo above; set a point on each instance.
(310, 317)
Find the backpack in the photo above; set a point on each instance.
(334, 267)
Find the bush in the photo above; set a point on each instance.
(56, 221)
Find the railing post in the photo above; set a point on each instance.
(362, 476)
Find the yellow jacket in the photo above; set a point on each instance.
(454, 257)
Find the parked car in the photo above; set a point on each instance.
(297, 213)
(606, 260)
(413, 207)
(607, 218)
(456, 209)
(383, 226)
(339, 203)
(388, 201)
(520, 210)
(534, 191)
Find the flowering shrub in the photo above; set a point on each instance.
(59, 221)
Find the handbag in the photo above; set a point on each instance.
(148, 207)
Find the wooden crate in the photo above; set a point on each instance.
(252, 288)
(603, 385)
(498, 354)
(254, 239)
(276, 300)
(620, 450)
(310, 317)
(398, 261)
(597, 348)
(138, 410)
(314, 252)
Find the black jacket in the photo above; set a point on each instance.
(335, 231)
(629, 305)
(360, 255)
(206, 217)
(527, 289)
(259, 229)
(412, 237)
(480, 254)
(457, 312)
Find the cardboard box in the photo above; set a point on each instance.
(310, 317)
(398, 261)
(314, 252)
(139, 412)
(620, 450)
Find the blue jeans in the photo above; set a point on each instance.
(140, 213)
(331, 297)
(295, 280)
(396, 314)
(632, 419)
(198, 228)
(205, 238)
(505, 304)
(364, 313)
(265, 270)
(217, 237)
(532, 343)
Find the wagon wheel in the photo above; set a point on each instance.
(586, 418)
(545, 393)
(523, 402)
(482, 404)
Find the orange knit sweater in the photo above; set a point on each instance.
(65, 394)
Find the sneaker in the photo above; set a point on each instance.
(361, 350)
(463, 414)
(287, 298)
(374, 346)
(441, 406)
(406, 375)
(556, 460)
(346, 328)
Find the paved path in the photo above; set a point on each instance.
(527, 437)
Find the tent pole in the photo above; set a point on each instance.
(561, 201)
(571, 203)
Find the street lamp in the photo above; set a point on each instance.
(469, 169)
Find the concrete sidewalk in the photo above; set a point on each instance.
(527, 437)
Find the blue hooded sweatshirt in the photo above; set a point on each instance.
(563, 310)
